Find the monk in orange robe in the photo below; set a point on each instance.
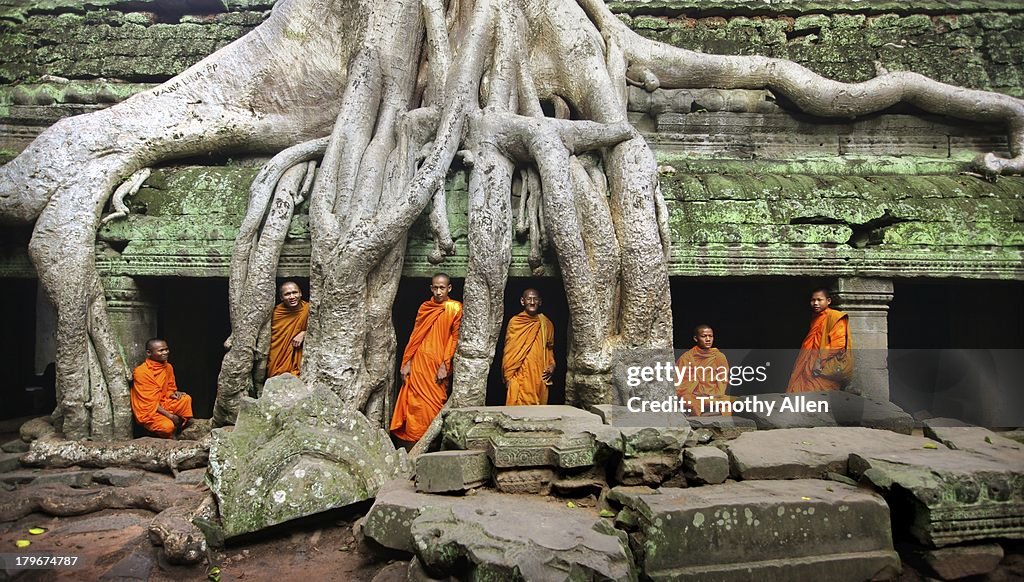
(157, 403)
(828, 338)
(287, 331)
(427, 363)
(704, 374)
(529, 358)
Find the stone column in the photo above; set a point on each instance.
(866, 301)
(132, 319)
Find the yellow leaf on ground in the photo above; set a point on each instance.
(37, 530)
(22, 543)
(929, 446)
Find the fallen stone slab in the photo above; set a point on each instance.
(712, 428)
(759, 530)
(622, 416)
(707, 465)
(975, 439)
(812, 453)
(147, 453)
(963, 561)
(525, 436)
(295, 452)
(952, 496)
(449, 471)
(499, 536)
(821, 409)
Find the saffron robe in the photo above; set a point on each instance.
(529, 350)
(705, 373)
(285, 324)
(152, 387)
(831, 326)
(432, 343)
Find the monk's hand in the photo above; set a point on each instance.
(176, 420)
(297, 340)
(547, 373)
(442, 373)
(406, 369)
(176, 395)
(816, 369)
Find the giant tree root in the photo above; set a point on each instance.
(182, 541)
(63, 500)
(147, 453)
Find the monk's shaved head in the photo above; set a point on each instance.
(152, 342)
(701, 327)
(530, 290)
(531, 301)
(447, 279)
(281, 288)
(824, 291)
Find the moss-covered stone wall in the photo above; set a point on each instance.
(753, 189)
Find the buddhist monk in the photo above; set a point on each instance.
(824, 347)
(704, 372)
(529, 358)
(157, 403)
(427, 363)
(287, 331)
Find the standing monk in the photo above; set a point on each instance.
(427, 363)
(529, 358)
(287, 330)
(704, 373)
(156, 401)
(825, 349)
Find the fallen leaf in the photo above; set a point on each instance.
(214, 574)
(929, 446)
(37, 530)
(570, 505)
(806, 498)
(988, 440)
(607, 513)
(22, 543)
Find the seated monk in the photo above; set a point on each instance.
(828, 338)
(529, 357)
(157, 403)
(287, 331)
(705, 373)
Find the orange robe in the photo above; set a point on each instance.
(529, 350)
(706, 373)
(830, 325)
(433, 342)
(152, 387)
(285, 324)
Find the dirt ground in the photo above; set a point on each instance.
(113, 544)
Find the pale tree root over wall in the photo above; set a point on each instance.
(408, 88)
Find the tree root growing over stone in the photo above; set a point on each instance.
(409, 87)
(147, 453)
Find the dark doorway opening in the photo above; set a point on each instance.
(193, 318)
(755, 320)
(24, 392)
(413, 291)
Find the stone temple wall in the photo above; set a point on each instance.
(754, 188)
